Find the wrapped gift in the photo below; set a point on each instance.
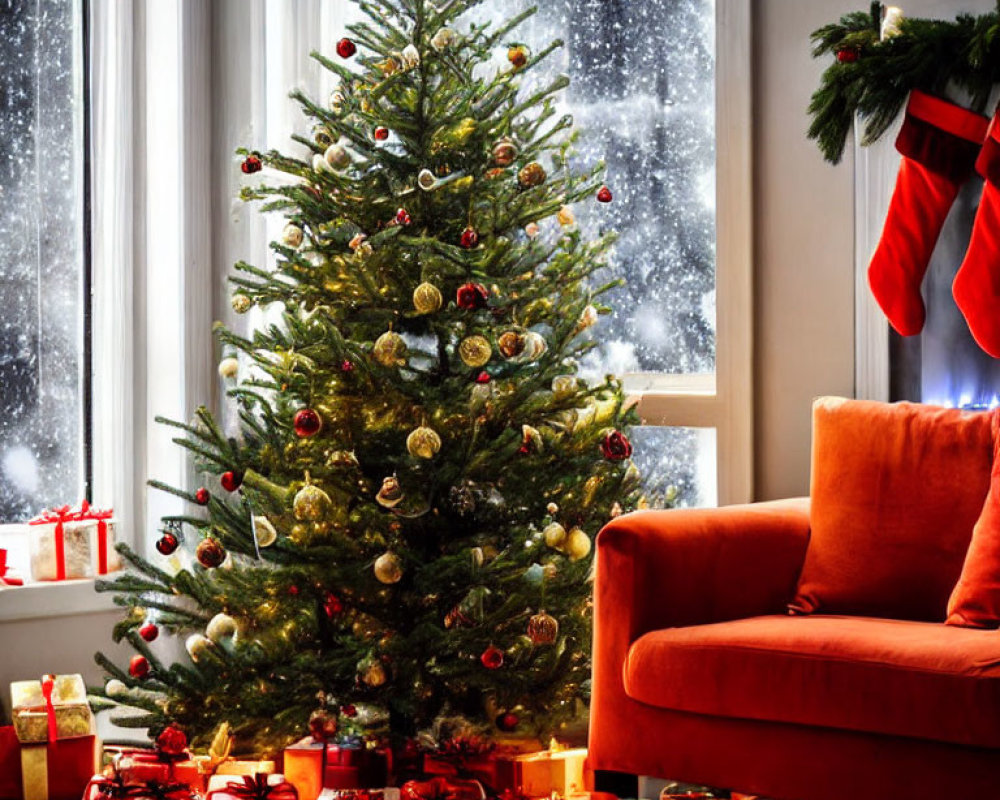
(111, 787)
(197, 770)
(251, 787)
(57, 770)
(386, 793)
(8, 575)
(540, 774)
(312, 765)
(73, 543)
(441, 788)
(52, 708)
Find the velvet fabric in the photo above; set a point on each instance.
(975, 602)
(896, 491)
(666, 569)
(882, 676)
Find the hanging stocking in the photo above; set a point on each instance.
(977, 284)
(939, 142)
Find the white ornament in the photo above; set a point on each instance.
(115, 688)
(411, 57)
(443, 39)
(426, 180)
(221, 629)
(532, 229)
(891, 22)
(336, 156)
(228, 367)
(587, 319)
(320, 164)
(292, 235)
(197, 645)
(563, 385)
(264, 531)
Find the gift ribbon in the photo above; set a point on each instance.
(256, 787)
(101, 516)
(58, 516)
(115, 788)
(11, 579)
(48, 686)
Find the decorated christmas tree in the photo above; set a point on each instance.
(403, 524)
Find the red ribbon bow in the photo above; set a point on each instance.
(116, 789)
(48, 686)
(256, 787)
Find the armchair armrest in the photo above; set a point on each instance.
(659, 569)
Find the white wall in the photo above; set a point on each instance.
(804, 230)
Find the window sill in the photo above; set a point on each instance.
(61, 599)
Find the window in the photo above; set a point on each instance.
(43, 365)
(644, 93)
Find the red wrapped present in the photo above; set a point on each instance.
(58, 770)
(442, 788)
(251, 787)
(310, 765)
(115, 787)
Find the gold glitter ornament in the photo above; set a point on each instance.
(292, 235)
(373, 674)
(388, 568)
(427, 298)
(391, 493)
(555, 535)
(566, 217)
(311, 503)
(336, 156)
(390, 350)
(532, 175)
(543, 629)
(423, 442)
(577, 544)
(510, 344)
(264, 530)
(475, 351)
(241, 303)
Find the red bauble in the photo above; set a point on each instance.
(138, 667)
(616, 446)
(210, 553)
(202, 496)
(470, 238)
(492, 657)
(472, 296)
(166, 544)
(231, 480)
(251, 164)
(848, 55)
(524, 450)
(332, 605)
(348, 710)
(172, 742)
(403, 217)
(293, 590)
(346, 48)
(508, 722)
(149, 632)
(484, 377)
(604, 195)
(347, 365)
(381, 134)
(307, 422)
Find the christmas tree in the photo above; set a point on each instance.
(403, 525)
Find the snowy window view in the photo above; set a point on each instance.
(643, 93)
(41, 256)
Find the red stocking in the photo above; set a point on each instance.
(977, 285)
(939, 143)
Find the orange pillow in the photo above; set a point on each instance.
(896, 490)
(975, 603)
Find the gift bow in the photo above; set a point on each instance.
(256, 787)
(116, 789)
(48, 687)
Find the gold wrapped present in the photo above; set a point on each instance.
(52, 708)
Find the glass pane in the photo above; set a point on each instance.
(41, 255)
(643, 92)
(677, 465)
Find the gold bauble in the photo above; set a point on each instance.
(299, 534)
(475, 351)
(577, 544)
(264, 530)
(388, 568)
(197, 645)
(510, 344)
(566, 217)
(543, 628)
(532, 175)
(221, 628)
(563, 385)
(391, 493)
(427, 298)
(336, 156)
(590, 489)
(311, 503)
(423, 442)
(555, 535)
(241, 303)
(390, 350)
(374, 674)
(342, 459)
(292, 235)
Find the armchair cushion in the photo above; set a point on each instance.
(903, 678)
(896, 490)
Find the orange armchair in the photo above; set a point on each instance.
(679, 572)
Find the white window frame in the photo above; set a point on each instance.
(723, 400)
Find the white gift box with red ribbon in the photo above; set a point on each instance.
(73, 543)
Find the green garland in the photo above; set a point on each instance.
(872, 78)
